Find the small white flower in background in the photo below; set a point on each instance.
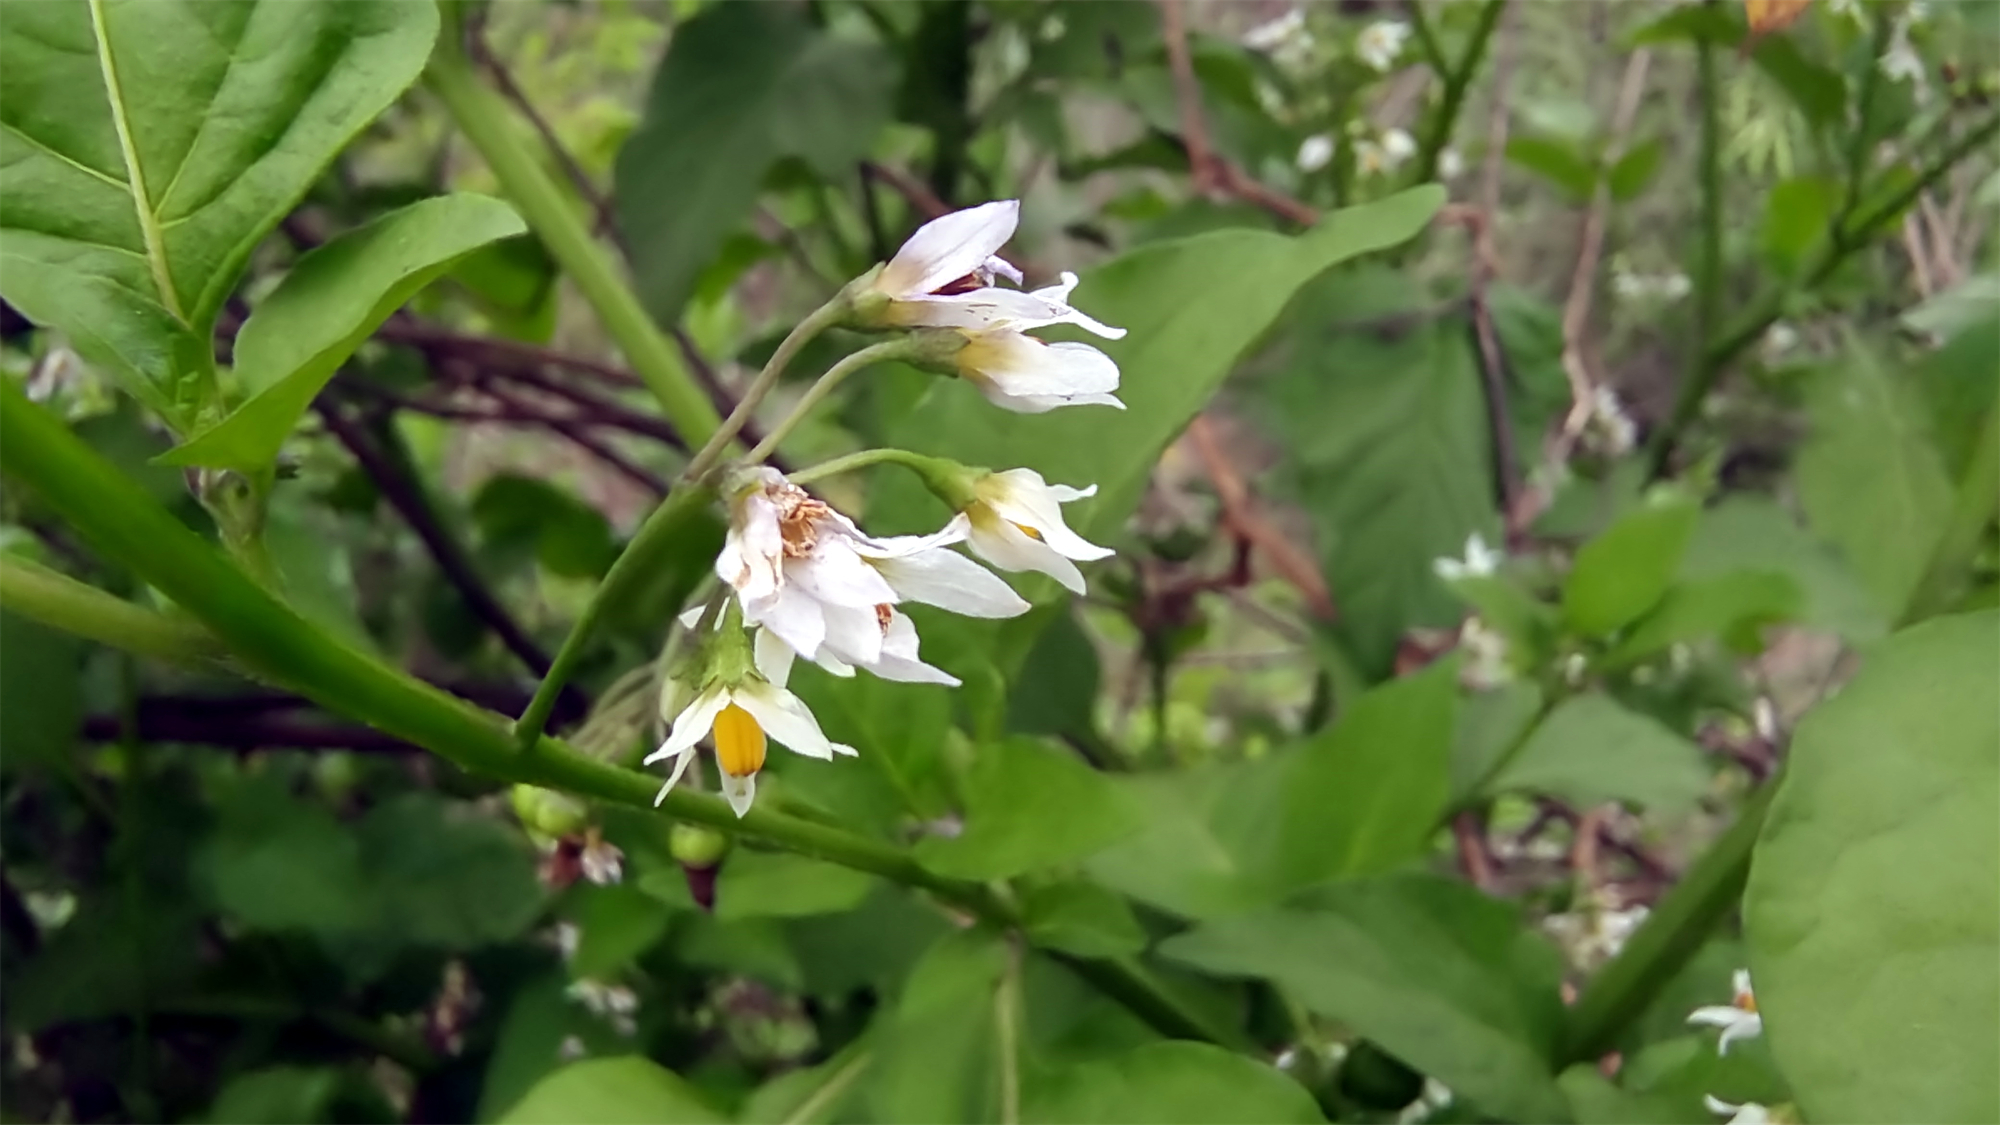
(1315, 152)
(1845, 9)
(1747, 1113)
(1381, 43)
(1597, 929)
(1900, 62)
(1480, 561)
(1398, 146)
(1738, 1019)
(566, 937)
(1778, 342)
(1764, 719)
(1272, 34)
(1435, 1096)
(570, 1049)
(1608, 430)
(1016, 523)
(602, 862)
(612, 1002)
(1379, 157)
(1486, 666)
(1450, 164)
(1575, 667)
(805, 574)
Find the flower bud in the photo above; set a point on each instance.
(547, 813)
(693, 845)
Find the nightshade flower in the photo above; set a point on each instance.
(804, 573)
(1480, 561)
(1381, 42)
(1016, 523)
(1315, 152)
(1738, 1019)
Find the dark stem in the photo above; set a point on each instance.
(1456, 81)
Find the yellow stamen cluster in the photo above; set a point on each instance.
(739, 742)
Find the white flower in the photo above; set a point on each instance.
(1377, 157)
(1845, 9)
(1738, 1019)
(953, 253)
(1608, 429)
(603, 863)
(1900, 62)
(1779, 341)
(805, 574)
(1480, 561)
(1315, 152)
(1019, 372)
(1450, 164)
(1748, 1113)
(567, 937)
(741, 715)
(1273, 34)
(1381, 42)
(613, 1002)
(1398, 146)
(1486, 665)
(1016, 523)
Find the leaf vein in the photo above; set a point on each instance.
(156, 250)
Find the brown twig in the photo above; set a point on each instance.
(1492, 364)
(914, 191)
(1240, 517)
(1475, 859)
(1187, 92)
(579, 435)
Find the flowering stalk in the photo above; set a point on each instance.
(822, 318)
(835, 375)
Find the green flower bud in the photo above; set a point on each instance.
(693, 845)
(548, 814)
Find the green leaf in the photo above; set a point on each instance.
(278, 863)
(325, 307)
(1058, 686)
(614, 926)
(1080, 918)
(528, 515)
(279, 1095)
(446, 875)
(1591, 751)
(741, 86)
(1732, 606)
(1029, 806)
(1388, 439)
(1870, 478)
(627, 1091)
(781, 885)
(1622, 573)
(1558, 161)
(1190, 307)
(1436, 973)
(1873, 908)
(1797, 214)
(1958, 381)
(1170, 1082)
(150, 147)
(1818, 90)
(935, 1055)
(814, 1095)
(1747, 533)
(1633, 171)
(1202, 850)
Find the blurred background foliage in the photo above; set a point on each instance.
(1704, 341)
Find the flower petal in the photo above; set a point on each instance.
(1058, 297)
(741, 792)
(1042, 404)
(1009, 548)
(854, 635)
(772, 656)
(899, 661)
(949, 247)
(1749, 1027)
(1715, 1015)
(1023, 497)
(952, 582)
(681, 761)
(691, 724)
(794, 615)
(784, 717)
(898, 546)
(1019, 364)
(836, 575)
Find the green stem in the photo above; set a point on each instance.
(1127, 981)
(61, 602)
(114, 514)
(1859, 145)
(1669, 938)
(861, 460)
(821, 319)
(635, 565)
(1844, 243)
(1708, 266)
(1978, 502)
(1456, 80)
(835, 375)
(488, 122)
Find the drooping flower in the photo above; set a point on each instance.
(806, 575)
(742, 700)
(1746, 1113)
(602, 861)
(953, 253)
(1384, 155)
(1480, 561)
(1900, 62)
(1016, 523)
(1017, 372)
(1315, 152)
(1381, 43)
(1738, 1019)
(1272, 34)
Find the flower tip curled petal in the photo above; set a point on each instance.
(950, 247)
(741, 792)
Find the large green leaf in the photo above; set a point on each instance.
(742, 85)
(1873, 908)
(41, 698)
(1380, 410)
(756, 884)
(278, 1095)
(1590, 751)
(1170, 1082)
(935, 1052)
(332, 300)
(627, 1091)
(1190, 307)
(1754, 534)
(1028, 806)
(1435, 972)
(1870, 478)
(277, 863)
(150, 146)
(446, 875)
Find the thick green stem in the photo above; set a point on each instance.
(835, 375)
(1456, 81)
(821, 319)
(488, 122)
(1977, 505)
(1669, 938)
(117, 516)
(635, 565)
(1846, 240)
(61, 602)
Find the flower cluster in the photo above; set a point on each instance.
(801, 580)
